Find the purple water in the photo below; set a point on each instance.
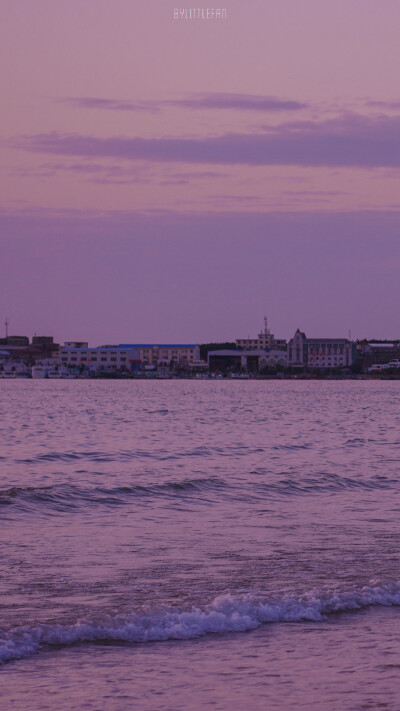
(199, 545)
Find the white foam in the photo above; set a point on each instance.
(226, 613)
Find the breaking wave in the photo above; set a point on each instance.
(226, 613)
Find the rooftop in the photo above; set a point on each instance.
(381, 345)
(158, 345)
(128, 346)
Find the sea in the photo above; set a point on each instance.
(183, 545)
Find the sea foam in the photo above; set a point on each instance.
(226, 613)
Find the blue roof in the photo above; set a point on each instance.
(158, 345)
(97, 348)
(127, 346)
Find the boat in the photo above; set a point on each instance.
(39, 372)
(14, 370)
(58, 372)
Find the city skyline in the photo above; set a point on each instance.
(171, 180)
(264, 339)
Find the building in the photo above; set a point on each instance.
(249, 360)
(273, 358)
(101, 359)
(320, 353)
(21, 341)
(128, 356)
(76, 344)
(265, 339)
(225, 359)
(371, 353)
(160, 354)
(20, 350)
(45, 347)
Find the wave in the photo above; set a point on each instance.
(224, 614)
(68, 497)
(159, 455)
(325, 482)
(64, 497)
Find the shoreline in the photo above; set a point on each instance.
(225, 378)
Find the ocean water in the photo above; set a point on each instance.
(171, 545)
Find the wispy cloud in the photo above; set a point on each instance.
(213, 100)
(174, 182)
(90, 102)
(245, 102)
(347, 141)
(201, 175)
(240, 198)
(90, 172)
(314, 193)
(394, 105)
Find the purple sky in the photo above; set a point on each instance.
(171, 180)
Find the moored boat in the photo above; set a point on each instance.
(39, 372)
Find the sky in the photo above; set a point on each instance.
(174, 180)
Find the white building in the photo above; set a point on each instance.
(265, 339)
(128, 356)
(319, 353)
(102, 358)
(272, 358)
(166, 354)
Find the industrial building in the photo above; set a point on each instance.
(248, 360)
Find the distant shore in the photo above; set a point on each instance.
(226, 378)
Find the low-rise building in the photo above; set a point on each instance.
(225, 359)
(372, 353)
(20, 350)
(101, 358)
(159, 354)
(249, 360)
(273, 358)
(20, 341)
(76, 344)
(121, 357)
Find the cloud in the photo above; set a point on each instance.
(91, 172)
(90, 102)
(347, 141)
(384, 104)
(235, 198)
(202, 175)
(213, 100)
(246, 102)
(174, 182)
(316, 193)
